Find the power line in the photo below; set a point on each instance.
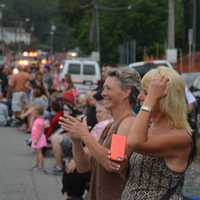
(129, 7)
(86, 6)
(96, 8)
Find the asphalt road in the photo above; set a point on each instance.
(17, 181)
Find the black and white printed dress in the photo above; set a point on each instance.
(150, 179)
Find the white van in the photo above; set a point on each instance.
(85, 74)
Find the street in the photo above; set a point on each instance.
(17, 181)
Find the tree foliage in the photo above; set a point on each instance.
(146, 22)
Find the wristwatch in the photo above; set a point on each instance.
(146, 109)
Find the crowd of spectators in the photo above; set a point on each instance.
(78, 128)
(33, 100)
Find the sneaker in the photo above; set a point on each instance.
(56, 170)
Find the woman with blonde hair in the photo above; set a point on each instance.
(160, 139)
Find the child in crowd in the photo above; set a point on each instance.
(38, 137)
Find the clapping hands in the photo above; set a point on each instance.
(74, 127)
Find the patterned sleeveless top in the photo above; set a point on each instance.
(151, 179)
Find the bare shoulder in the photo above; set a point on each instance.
(125, 125)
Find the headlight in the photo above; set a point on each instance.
(23, 62)
(44, 61)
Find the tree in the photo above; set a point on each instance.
(146, 23)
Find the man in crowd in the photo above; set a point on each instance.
(19, 84)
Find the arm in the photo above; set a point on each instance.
(96, 150)
(72, 164)
(28, 112)
(164, 145)
(113, 166)
(81, 158)
(77, 129)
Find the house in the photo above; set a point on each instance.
(11, 35)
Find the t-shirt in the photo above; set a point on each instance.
(99, 127)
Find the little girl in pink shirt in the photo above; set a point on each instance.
(38, 137)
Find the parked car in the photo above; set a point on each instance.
(85, 74)
(145, 66)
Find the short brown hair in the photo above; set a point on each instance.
(129, 79)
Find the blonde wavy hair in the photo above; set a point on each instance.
(173, 105)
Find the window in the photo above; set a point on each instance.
(74, 68)
(88, 69)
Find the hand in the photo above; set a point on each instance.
(157, 88)
(71, 166)
(74, 127)
(108, 164)
(116, 165)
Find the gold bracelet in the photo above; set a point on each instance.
(146, 109)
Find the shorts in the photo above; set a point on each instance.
(19, 99)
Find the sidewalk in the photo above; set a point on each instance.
(17, 181)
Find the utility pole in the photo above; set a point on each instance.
(194, 28)
(95, 35)
(171, 52)
(171, 24)
(97, 28)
